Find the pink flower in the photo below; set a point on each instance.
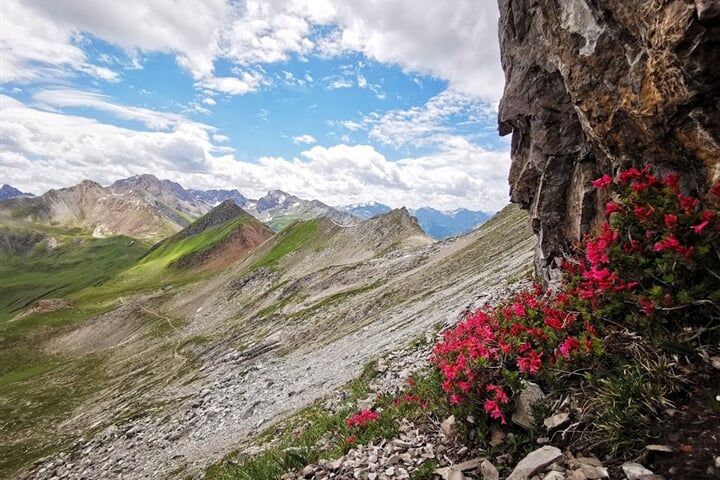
(351, 439)
(602, 182)
(670, 220)
(568, 346)
(670, 242)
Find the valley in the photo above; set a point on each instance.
(184, 350)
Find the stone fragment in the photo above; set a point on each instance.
(715, 362)
(556, 421)
(530, 395)
(535, 462)
(660, 448)
(633, 471)
(594, 473)
(554, 476)
(448, 426)
(489, 471)
(455, 475)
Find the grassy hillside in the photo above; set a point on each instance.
(296, 236)
(173, 251)
(71, 266)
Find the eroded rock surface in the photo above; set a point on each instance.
(597, 85)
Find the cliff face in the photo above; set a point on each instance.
(597, 85)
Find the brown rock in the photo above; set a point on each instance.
(591, 87)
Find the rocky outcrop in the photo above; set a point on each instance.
(597, 85)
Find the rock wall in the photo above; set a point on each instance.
(597, 85)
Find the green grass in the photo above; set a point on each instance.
(56, 273)
(172, 251)
(295, 237)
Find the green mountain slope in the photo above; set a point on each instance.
(56, 268)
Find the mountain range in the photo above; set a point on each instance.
(162, 342)
(157, 207)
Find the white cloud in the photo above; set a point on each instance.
(458, 39)
(209, 101)
(249, 82)
(430, 123)
(36, 48)
(340, 83)
(454, 40)
(350, 125)
(220, 138)
(76, 98)
(304, 139)
(42, 150)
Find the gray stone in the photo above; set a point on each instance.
(489, 471)
(448, 426)
(633, 471)
(530, 395)
(556, 421)
(535, 462)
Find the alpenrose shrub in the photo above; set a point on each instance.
(654, 266)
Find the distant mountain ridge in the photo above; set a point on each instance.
(8, 191)
(437, 224)
(147, 207)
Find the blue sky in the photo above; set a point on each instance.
(340, 100)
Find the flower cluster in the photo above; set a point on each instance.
(361, 419)
(657, 252)
(655, 258)
(481, 359)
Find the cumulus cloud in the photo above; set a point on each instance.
(304, 139)
(455, 40)
(42, 149)
(428, 124)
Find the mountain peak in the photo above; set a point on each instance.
(8, 191)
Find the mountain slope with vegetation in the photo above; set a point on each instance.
(317, 296)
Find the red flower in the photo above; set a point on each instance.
(672, 181)
(642, 213)
(602, 182)
(715, 190)
(647, 307)
(688, 204)
(670, 242)
(351, 439)
(612, 207)
(701, 226)
(670, 220)
(568, 346)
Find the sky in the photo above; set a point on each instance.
(344, 101)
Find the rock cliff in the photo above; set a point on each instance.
(597, 85)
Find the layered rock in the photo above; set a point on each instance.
(597, 85)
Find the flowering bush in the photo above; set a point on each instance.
(483, 358)
(361, 419)
(655, 265)
(656, 262)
